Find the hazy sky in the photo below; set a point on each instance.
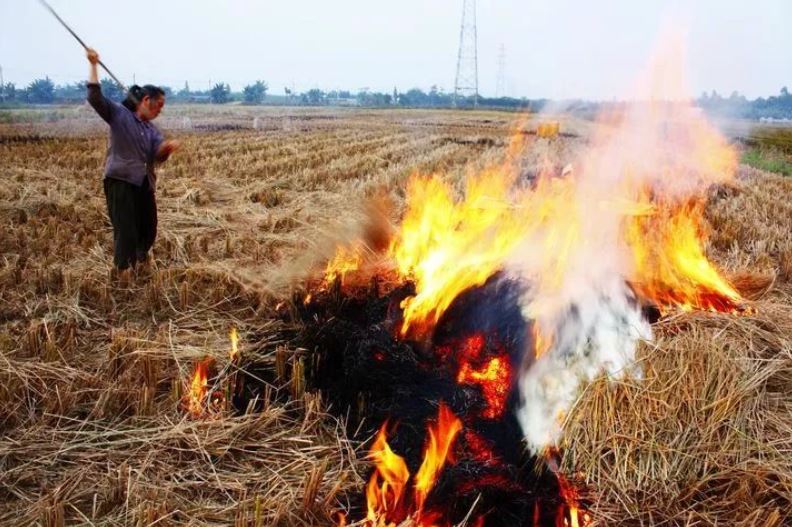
(553, 48)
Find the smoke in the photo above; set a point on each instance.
(596, 334)
(656, 151)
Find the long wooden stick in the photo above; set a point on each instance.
(64, 24)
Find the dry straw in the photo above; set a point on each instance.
(93, 368)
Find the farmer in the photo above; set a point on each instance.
(129, 180)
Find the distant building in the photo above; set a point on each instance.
(343, 101)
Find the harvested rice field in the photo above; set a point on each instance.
(95, 369)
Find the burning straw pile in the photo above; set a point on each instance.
(684, 416)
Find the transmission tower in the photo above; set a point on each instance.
(466, 83)
(500, 85)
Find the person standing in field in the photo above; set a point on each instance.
(135, 147)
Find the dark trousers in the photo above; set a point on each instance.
(133, 213)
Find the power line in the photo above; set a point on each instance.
(466, 83)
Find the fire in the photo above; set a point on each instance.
(385, 490)
(490, 371)
(494, 381)
(670, 266)
(446, 246)
(437, 450)
(493, 376)
(234, 337)
(195, 401)
(388, 502)
(346, 260)
(570, 513)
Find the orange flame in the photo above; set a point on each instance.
(437, 450)
(345, 260)
(670, 266)
(195, 400)
(571, 228)
(447, 246)
(234, 337)
(387, 502)
(385, 489)
(570, 513)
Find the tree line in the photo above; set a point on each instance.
(736, 105)
(45, 91)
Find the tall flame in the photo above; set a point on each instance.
(447, 245)
(385, 490)
(388, 503)
(630, 205)
(436, 452)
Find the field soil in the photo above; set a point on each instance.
(93, 367)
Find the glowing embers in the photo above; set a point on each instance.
(670, 268)
(388, 501)
(569, 513)
(490, 372)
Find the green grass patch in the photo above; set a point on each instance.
(768, 159)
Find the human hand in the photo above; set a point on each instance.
(169, 146)
(93, 56)
(166, 149)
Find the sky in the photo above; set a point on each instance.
(557, 49)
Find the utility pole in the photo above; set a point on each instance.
(500, 85)
(466, 83)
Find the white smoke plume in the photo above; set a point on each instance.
(587, 320)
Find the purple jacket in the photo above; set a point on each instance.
(133, 143)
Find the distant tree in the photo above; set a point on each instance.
(220, 93)
(41, 91)
(255, 93)
(784, 92)
(414, 97)
(184, 92)
(8, 92)
(112, 90)
(70, 92)
(314, 96)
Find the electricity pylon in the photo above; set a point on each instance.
(466, 84)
